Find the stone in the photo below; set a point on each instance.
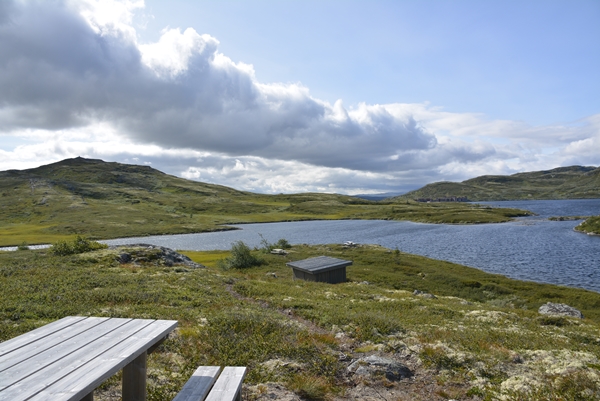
(560, 310)
(168, 256)
(424, 294)
(124, 258)
(375, 364)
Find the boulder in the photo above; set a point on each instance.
(559, 310)
(124, 258)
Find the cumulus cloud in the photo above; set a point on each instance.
(71, 69)
(77, 66)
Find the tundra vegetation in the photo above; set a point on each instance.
(110, 200)
(574, 182)
(590, 226)
(479, 337)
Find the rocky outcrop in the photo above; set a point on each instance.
(146, 253)
(559, 310)
(377, 365)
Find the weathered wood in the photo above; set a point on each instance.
(198, 386)
(14, 344)
(134, 379)
(229, 385)
(53, 362)
(89, 397)
(49, 342)
(321, 268)
(106, 363)
(76, 356)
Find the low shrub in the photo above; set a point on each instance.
(310, 387)
(241, 257)
(78, 245)
(267, 247)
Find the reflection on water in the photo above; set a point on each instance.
(530, 248)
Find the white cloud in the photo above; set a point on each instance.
(171, 55)
(74, 81)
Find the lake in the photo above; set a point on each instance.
(530, 248)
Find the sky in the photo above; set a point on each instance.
(288, 96)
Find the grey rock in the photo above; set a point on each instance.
(124, 258)
(559, 310)
(362, 371)
(375, 364)
(424, 294)
(167, 255)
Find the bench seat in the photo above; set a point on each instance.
(204, 385)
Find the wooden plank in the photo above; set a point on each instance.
(49, 377)
(106, 363)
(89, 397)
(52, 361)
(50, 341)
(198, 386)
(229, 384)
(23, 340)
(134, 379)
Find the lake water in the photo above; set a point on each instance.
(531, 248)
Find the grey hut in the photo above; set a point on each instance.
(321, 268)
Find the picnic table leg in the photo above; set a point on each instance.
(134, 379)
(89, 397)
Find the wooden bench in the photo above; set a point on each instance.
(69, 358)
(202, 387)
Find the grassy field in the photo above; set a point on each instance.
(111, 200)
(480, 338)
(575, 182)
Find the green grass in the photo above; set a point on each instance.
(482, 330)
(111, 200)
(590, 226)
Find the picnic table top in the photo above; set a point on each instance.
(69, 358)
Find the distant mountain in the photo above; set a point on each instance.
(574, 182)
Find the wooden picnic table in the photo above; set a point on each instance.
(69, 358)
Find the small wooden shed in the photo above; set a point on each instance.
(321, 268)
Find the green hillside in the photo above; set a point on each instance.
(110, 200)
(575, 182)
(468, 335)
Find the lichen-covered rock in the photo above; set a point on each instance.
(144, 253)
(560, 310)
(424, 294)
(375, 364)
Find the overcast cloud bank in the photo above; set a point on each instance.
(75, 81)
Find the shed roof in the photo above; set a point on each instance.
(319, 264)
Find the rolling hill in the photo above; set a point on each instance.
(574, 182)
(110, 200)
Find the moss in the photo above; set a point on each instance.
(244, 317)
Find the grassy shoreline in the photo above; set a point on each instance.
(590, 226)
(111, 200)
(480, 338)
